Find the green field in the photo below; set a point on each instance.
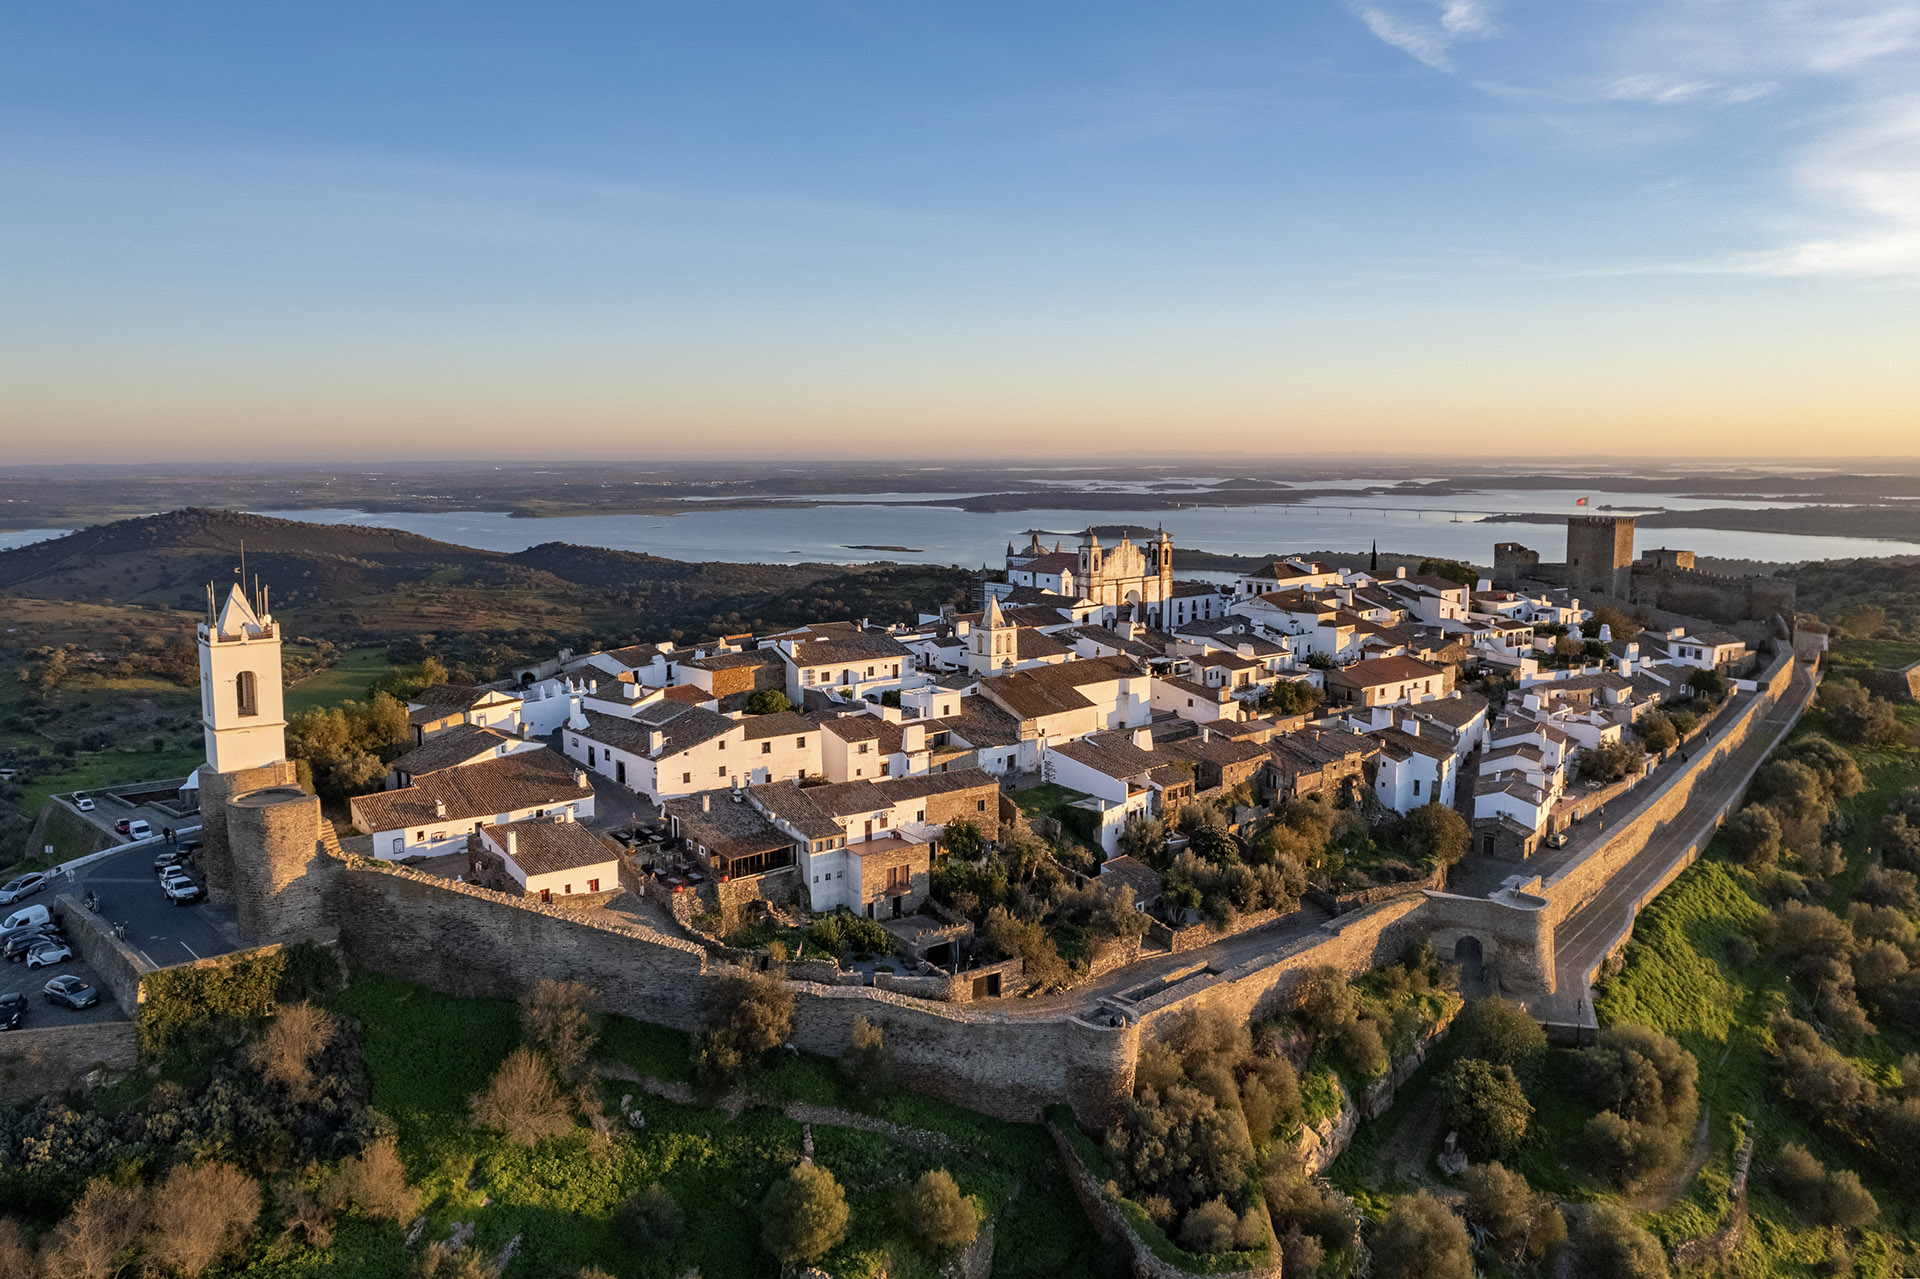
(346, 679)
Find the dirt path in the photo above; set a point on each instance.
(799, 1111)
(1662, 1196)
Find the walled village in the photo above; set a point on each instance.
(1195, 874)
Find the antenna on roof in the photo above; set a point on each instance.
(243, 564)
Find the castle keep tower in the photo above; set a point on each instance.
(1600, 554)
(259, 831)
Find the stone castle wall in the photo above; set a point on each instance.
(278, 881)
(1265, 983)
(1580, 883)
(465, 940)
(216, 791)
(48, 1059)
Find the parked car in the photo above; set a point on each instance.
(139, 829)
(25, 917)
(72, 991)
(180, 890)
(83, 801)
(23, 886)
(1557, 840)
(17, 945)
(49, 953)
(166, 859)
(122, 826)
(13, 1010)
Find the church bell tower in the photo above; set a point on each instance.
(241, 712)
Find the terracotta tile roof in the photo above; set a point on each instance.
(1384, 670)
(543, 846)
(849, 650)
(1052, 690)
(1139, 879)
(1401, 744)
(687, 695)
(683, 727)
(1455, 712)
(735, 661)
(1051, 562)
(779, 724)
(527, 779)
(1032, 645)
(1215, 750)
(636, 654)
(450, 749)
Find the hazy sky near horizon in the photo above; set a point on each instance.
(867, 229)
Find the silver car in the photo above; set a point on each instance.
(25, 886)
(49, 953)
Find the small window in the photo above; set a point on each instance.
(593, 885)
(980, 806)
(686, 779)
(246, 689)
(766, 748)
(1416, 786)
(419, 837)
(800, 743)
(920, 816)
(863, 747)
(723, 743)
(883, 821)
(566, 890)
(723, 770)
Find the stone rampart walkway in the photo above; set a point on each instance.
(1584, 939)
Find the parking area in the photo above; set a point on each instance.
(41, 1014)
(163, 933)
(109, 810)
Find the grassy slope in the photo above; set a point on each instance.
(427, 1054)
(1678, 979)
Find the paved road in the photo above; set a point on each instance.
(162, 932)
(40, 1013)
(1582, 940)
(108, 811)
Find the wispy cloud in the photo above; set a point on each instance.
(1428, 31)
(1841, 72)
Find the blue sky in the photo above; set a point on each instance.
(1546, 226)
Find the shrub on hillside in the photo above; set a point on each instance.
(1612, 1246)
(1433, 834)
(285, 1052)
(1857, 715)
(1611, 762)
(1487, 1105)
(1421, 1239)
(522, 1101)
(804, 1214)
(752, 1014)
(651, 1221)
(868, 1065)
(1499, 1031)
(936, 1214)
(558, 1016)
(199, 1214)
(374, 1183)
(1753, 835)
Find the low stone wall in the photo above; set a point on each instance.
(35, 1062)
(1515, 932)
(1194, 936)
(116, 965)
(1264, 984)
(1115, 953)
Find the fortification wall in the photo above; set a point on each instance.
(35, 1062)
(1580, 883)
(116, 965)
(1265, 983)
(1515, 932)
(278, 880)
(465, 940)
(216, 789)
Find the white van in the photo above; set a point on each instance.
(25, 917)
(138, 829)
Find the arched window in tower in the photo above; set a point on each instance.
(248, 693)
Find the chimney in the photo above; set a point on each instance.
(706, 802)
(656, 741)
(579, 778)
(1401, 571)
(1206, 734)
(439, 808)
(510, 843)
(1143, 738)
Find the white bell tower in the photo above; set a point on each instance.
(240, 696)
